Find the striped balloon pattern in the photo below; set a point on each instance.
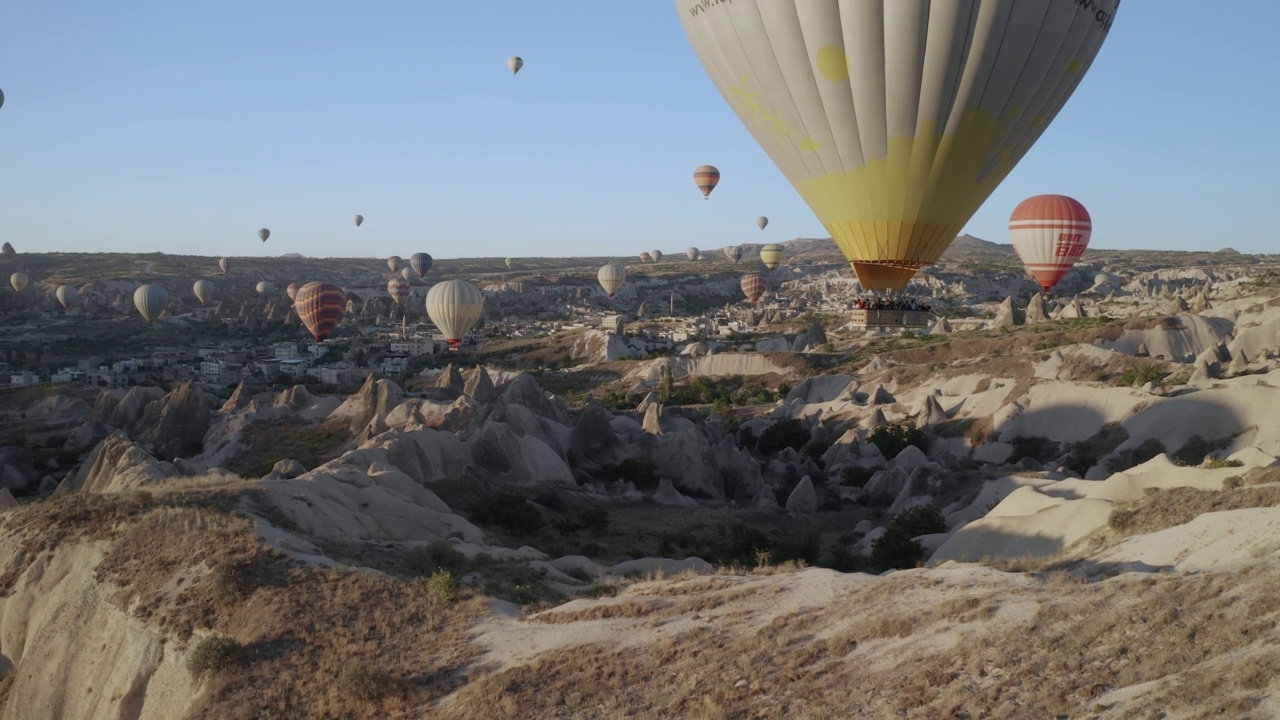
(398, 289)
(393, 263)
(321, 306)
(771, 255)
(1050, 233)
(753, 286)
(203, 290)
(707, 177)
(656, 255)
(150, 301)
(645, 258)
(455, 306)
(734, 253)
(421, 263)
(611, 278)
(224, 264)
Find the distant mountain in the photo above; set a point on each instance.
(966, 246)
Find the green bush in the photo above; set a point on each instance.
(842, 559)
(1142, 374)
(856, 476)
(638, 471)
(439, 555)
(788, 432)
(920, 520)
(524, 595)
(893, 439)
(214, 654)
(896, 550)
(594, 520)
(443, 586)
(1196, 449)
(508, 510)
(804, 544)
(1218, 463)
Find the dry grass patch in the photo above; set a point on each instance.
(1165, 508)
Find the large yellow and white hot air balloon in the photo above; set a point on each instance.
(771, 255)
(612, 277)
(896, 119)
(455, 306)
(150, 301)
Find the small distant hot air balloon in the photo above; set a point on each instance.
(224, 264)
(771, 255)
(66, 295)
(514, 63)
(455, 306)
(398, 289)
(896, 119)
(150, 301)
(511, 263)
(292, 290)
(263, 288)
(320, 306)
(1, 98)
(203, 290)
(734, 253)
(19, 281)
(263, 234)
(359, 220)
(657, 255)
(753, 286)
(612, 277)
(707, 177)
(761, 222)
(1050, 233)
(646, 257)
(421, 264)
(691, 253)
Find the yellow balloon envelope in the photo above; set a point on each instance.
(896, 119)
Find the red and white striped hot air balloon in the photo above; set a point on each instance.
(1050, 233)
(753, 286)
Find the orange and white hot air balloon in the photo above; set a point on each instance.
(1050, 233)
(707, 177)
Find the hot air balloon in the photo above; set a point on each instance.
(771, 255)
(224, 264)
(263, 234)
(656, 255)
(320, 306)
(1050, 233)
(691, 253)
(896, 119)
(150, 301)
(511, 263)
(611, 277)
(514, 63)
(761, 222)
(393, 263)
(1, 98)
(645, 258)
(66, 295)
(421, 263)
(707, 177)
(398, 289)
(263, 288)
(455, 306)
(733, 253)
(292, 290)
(19, 281)
(203, 290)
(753, 286)
(359, 220)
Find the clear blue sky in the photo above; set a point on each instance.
(183, 127)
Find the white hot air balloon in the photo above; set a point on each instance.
(896, 119)
(455, 306)
(203, 290)
(150, 301)
(19, 281)
(66, 295)
(612, 277)
(514, 63)
(761, 222)
(263, 288)
(691, 253)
